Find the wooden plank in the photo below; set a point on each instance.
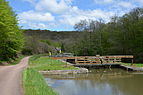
(89, 61)
(74, 57)
(95, 59)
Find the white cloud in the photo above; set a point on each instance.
(103, 1)
(31, 1)
(40, 25)
(36, 16)
(53, 6)
(75, 15)
(37, 25)
(125, 4)
(62, 13)
(71, 15)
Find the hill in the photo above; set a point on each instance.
(43, 41)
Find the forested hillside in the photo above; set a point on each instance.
(121, 36)
(44, 41)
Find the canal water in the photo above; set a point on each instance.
(98, 82)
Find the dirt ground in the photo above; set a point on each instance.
(11, 78)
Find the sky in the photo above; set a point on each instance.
(62, 15)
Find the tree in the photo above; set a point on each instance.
(121, 36)
(11, 38)
(81, 26)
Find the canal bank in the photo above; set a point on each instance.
(85, 68)
(93, 62)
(79, 71)
(33, 81)
(125, 62)
(76, 70)
(110, 66)
(131, 68)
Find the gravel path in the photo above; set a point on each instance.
(11, 78)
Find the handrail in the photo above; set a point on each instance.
(96, 59)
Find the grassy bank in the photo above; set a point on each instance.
(12, 62)
(134, 65)
(46, 63)
(17, 60)
(33, 81)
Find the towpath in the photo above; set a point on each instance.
(11, 78)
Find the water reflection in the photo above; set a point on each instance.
(103, 82)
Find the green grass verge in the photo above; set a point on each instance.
(134, 65)
(34, 83)
(13, 62)
(46, 63)
(17, 60)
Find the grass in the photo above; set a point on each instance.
(33, 81)
(17, 60)
(46, 63)
(134, 65)
(13, 62)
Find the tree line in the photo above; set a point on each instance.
(121, 36)
(11, 37)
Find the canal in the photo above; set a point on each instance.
(98, 82)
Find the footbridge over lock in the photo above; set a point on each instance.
(97, 61)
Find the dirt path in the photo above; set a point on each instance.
(11, 78)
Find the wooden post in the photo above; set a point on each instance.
(114, 60)
(101, 60)
(110, 67)
(132, 62)
(75, 60)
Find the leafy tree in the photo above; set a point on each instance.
(121, 36)
(11, 38)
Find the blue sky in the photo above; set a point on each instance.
(63, 14)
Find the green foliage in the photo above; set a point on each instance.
(11, 38)
(12, 62)
(47, 41)
(52, 43)
(121, 36)
(34, 46)
(43, 41)
(34, 83)
(134, 65)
